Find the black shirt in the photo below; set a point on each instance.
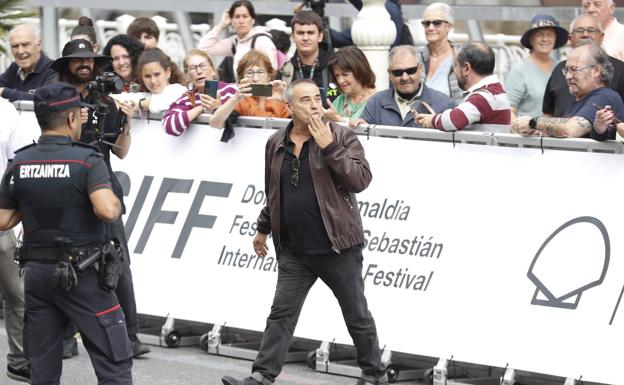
(557, 97)
(90, 135)
(302, 229)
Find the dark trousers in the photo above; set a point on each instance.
(94, 311)
(343, 275)
(125, 287)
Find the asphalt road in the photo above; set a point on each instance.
(181, 366)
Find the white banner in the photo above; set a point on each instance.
(470, 250)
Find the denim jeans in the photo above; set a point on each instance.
(12, 289)
(342, 273)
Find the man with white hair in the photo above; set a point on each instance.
(557, 97)
(613, 30)
(31, 68)
(408, 95)
(588, 71)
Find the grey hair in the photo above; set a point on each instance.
(36, 31)
(598, 22)
(404, 48)
(601, 59)
(288, 94)
(449, 14)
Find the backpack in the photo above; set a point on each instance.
(226, 68)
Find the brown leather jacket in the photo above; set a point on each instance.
(338, 172)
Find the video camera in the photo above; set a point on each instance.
(107, 83)
(317, 6)
(100, 89)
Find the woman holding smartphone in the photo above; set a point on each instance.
(252, 98)
(242, 17)
(198, 99)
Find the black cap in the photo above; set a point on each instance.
(57, 97)
(79, 48)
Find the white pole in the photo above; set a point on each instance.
(373, 32)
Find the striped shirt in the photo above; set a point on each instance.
(176, 120)
(485, 108)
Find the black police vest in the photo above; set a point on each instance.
(50, 185)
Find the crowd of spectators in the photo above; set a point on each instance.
(441, 85)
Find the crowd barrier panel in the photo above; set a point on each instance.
(494, 253)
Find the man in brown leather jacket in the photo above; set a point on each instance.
(317, 232)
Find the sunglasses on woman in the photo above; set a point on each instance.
(436, 23)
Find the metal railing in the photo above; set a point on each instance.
(412, 133)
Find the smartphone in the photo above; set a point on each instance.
(210, 88)
(261, 89)
(420, 107)
(324, 97)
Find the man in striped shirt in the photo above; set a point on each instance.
(485, 106)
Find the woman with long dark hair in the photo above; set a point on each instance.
(161, 78)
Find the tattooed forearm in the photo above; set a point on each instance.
(551, 126)
(574, 127)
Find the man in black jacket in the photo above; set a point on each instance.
(31, 68)
(312, 174)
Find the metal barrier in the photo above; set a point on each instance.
(472, 137)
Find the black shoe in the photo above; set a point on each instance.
(70, 347)
(21, 375)
(138, 348)
(227, 380)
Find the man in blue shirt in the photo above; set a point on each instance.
(588, 71)
(31, 68)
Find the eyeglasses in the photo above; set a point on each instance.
(250, 74)
(294, 178)
(573, 70)
(409, 71)
(202, 66)
(436, 23)
(121, 57)
(589, 31)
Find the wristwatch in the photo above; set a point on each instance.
(533, 123)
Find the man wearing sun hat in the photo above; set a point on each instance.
(61, 192)
(526, 80)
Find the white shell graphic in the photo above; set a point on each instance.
(561, 276)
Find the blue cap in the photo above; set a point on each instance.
(57, 97)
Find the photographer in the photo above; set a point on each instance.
(79, 66)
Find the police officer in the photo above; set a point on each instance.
(79, 66)
(61, 191)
